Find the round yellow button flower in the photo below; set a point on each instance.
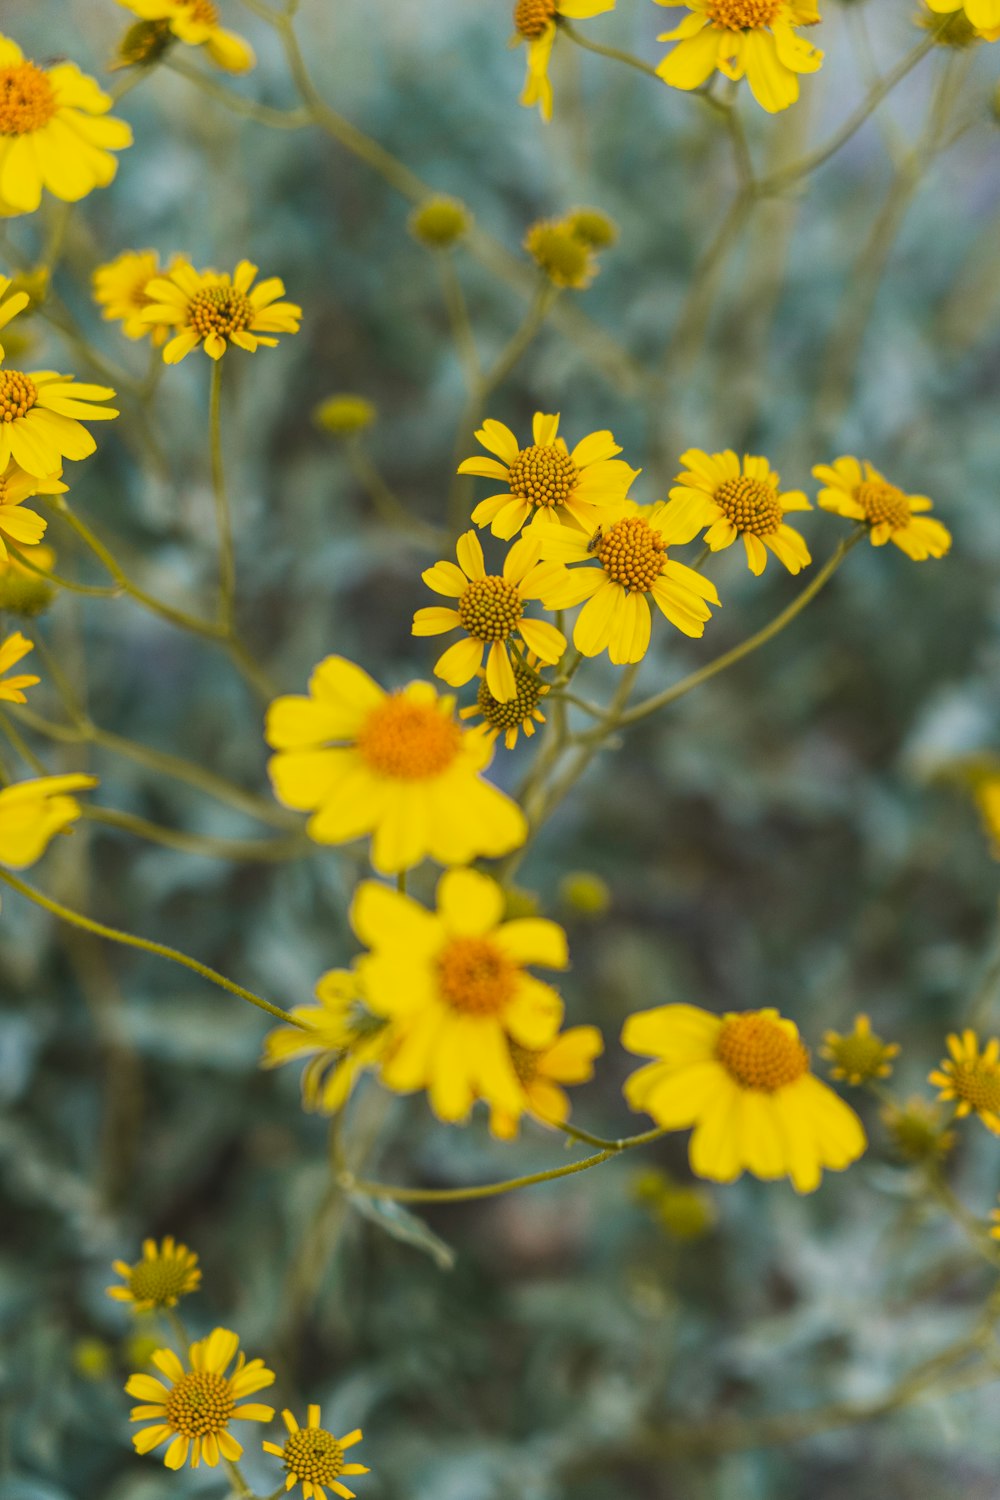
(860, 1055)
(984, 15)
(541, 1074)
(971, 1079)
(13, 650)
(213, 310)
(545, 482)
(196, 23)
(195, 1406)
(455, 986)
(166, 1272)
(986, 792)
(739, 500)
(41, 422)
(33, 812)
(856, 489)
(55, 132)
(519, 714)
(340, 1036)
(120, 291)
(743, 1081)
(314, 1458)
(535, 23)
(754, 39)
(25, 528)
(396, 765)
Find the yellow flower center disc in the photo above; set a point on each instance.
(409, 741)
(543, 475)
(742, 15)
(860, 1055)
(313, 1456)
(883, 502)
(751, 505)
(528, 692)
(17, 395)
(632, 554)
(978, 1083)
(531, 17)
(490, 608)
(219, 309)
(200, 1404)
(27, 99)
(158, 1280)
(475, 977)
(759, 1052)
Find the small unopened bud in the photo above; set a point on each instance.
(344, 415)
(560, 254)
(593, 227)
(440, 222)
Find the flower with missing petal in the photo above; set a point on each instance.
(754, 39)
(213, 310)
(971, 1079)
(541, 1073)
(33, 812)
(856, 489)
(739, 500)
(196, 24)
(340, 1036)
(314, 1458)
(535, 24)
(166, 1272)
(13, 650)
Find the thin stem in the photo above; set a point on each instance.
(239, 1484)
(615, 53)
(387, 505)
(21, 747)
(458, 317)
(99, 591)
(223, 515)
(238, 851)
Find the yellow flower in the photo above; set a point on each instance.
(33, 812)
(22, 590)
(743, 1081)
(342, 1038)
(196, 23)
(733, 499)
(520, 713)
(439, 222)
(860, 1055)
(684, 1213)
(535, 23)
(743, 38)
(344, 415)
(490, 609)
(314, 1458)
(986, 791)
(10, 305)
(166, 1272)
(54, 132)
(546, 482)
(568, 1059)
(120, 291)
(984, 15)
(41, 423)
(995, 1216)
(561, 254)
(855, 489)
(195, 1409)
(11, 651)
(593, 226)
(454, 984)
(24, 527)
(218, 310)
(395, 765)
(631, 564)
(971, 1078)
(917, 1130)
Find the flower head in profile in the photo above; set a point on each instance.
(455, 985)
(970, 1078)
(545, 482)
(752, 39)
(120, 291)
(33, 812)
(340, 1036)
(743, 1081)
(55, 132)
(196, 24)
(860, 1055)
(213, 310)
(193, 1408)
(542, 1072)
(535, 23)
(166, 1272)
(983, 15)
(41, 423)
(25, 528)
(314, 1458)
(631, 565)
(398, 766)
(856, 489)
(732, 500)
(489, 608)
(13, 650)
(519, 714)
(24, 587)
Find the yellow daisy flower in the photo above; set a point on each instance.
(743, 1081)
(55, 132)
(314, 1458)
(569, 1059)
(11, 305)
(545, 482)
(218, 310)
(986, 791)
(535, 23)
(971, 1078)
(754, 39)
(119, 288)
(196, 23)
(395, 765)
(490, 610)
(341, 1037)
(41, 422)
(166, 1272)
(454, 984)
(856, 489)
(24, 527)
(984, 15)
(860, 1055)
(560, 254)
(195, 1409)
(518, 713)
(631, 563)
(33, 812)
(731, 499)
(11, 652)
(23, 591)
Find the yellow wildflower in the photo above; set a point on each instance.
(917, 1130)
(33, 812)
(856, 489)
(542, 1071)
(585, 893)
(344, 415)
(314, 1458)
(11, 303)
(984, 15)
(519, 713)
(732, 500)
(196, 23)
(119, 288)
(593, 226)
(754, 39)
(41, 423)
(23, 591)
(440, 222)
(341, 1037)
(11, 652)
(535, 23)
(24, 527)
(166, 1272)
(971, 1078)
(986, 791)
(561, 254)
(860, 1055)
(204, 307)
(995, 1216)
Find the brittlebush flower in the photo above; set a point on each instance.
(545, 482)
(984, 15)
(33, 812)
(397, 766)
(340, 1036)
(344, 415)
(213, 310)
(490, 609)
(13, 650)
(860, 1055)
(593, 226)
(10, 305)
(733, 499)
(743, 1082)
(120, 291)
(314, 1458)
(632, 567)
(541, 1074)
(561, 254)
(55, 132)
(986, 792)
(24, 589)
(166, 1272)
(754, 39)
(196, 23)
(193, 1411)
(518, 714)
(917, 1131)
(455, 985)
(856, 489)
(439, 222)
(535, 23)
(25, 528)
(971, 1079)
(41, 423)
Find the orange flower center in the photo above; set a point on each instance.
(751, 505)
(743, 15)
(161, 1281)
(632, 554)
(200, 1404)
(490, 608)
(759, 1052)
(543, 475)
(529, 689)
(883, 503)
(978, 1083)
(219, 309)
(18, 395)
(532, 17)
(313, 1456)
(525, 1061)
(475, 977)
(27, 99)
(409, 741)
